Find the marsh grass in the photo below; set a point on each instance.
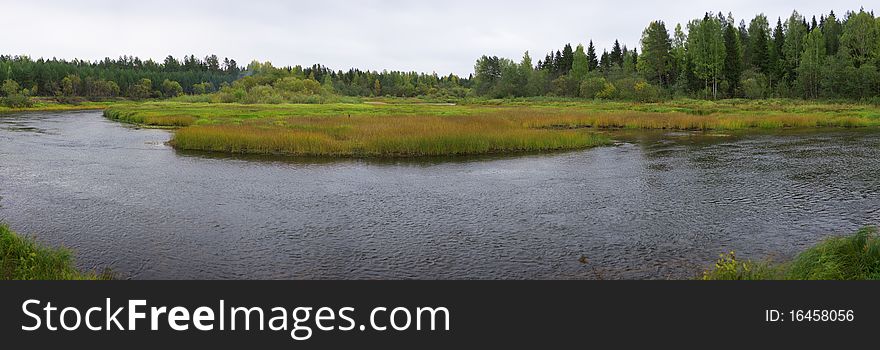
(389, 136)
(49, 105)
(21, 258)
(853, 257)
(382, 128)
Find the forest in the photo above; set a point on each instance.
(713, 57)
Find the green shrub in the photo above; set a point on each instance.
(592, 86)
(17, 101)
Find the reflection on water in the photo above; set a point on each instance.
(656, 205)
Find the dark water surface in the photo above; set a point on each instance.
(659, 205)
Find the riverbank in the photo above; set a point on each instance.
(391, 129)
(854, 257)
(49, 105)
(22, 258)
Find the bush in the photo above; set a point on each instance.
(645, 92)
(754, 84)
(262, 94)
(609, 91)
(17, 101)
(592, 86)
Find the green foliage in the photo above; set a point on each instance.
(580, 65)
(23, 259)
(656, 61)
(754, 84)
(706, 50)
(608, 91)
(16, 101)
(793, 45)
(759, 37)
(202, 88)
(76, 80)
(733, 57)
(860, 37)
(592, 86)
(171, 88)
(142, 90)
(729, 268)
(10, 87)
(854, 257)
(812, 59)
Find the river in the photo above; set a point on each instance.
(655, 205)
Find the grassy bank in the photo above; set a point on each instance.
(48, 105)
(21, 258)
(386, 128)
(854, 257)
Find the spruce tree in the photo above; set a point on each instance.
(567, 59)
(732, 60)
(616, 55)
(592, 60)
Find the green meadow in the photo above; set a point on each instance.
(404, 128)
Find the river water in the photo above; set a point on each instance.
(656, 205)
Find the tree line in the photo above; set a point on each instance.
(710, 57)
(126, 76)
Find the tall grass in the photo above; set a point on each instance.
(21, 258)
(684, 121)
(854, 257)
(415, 129)
(390, 136)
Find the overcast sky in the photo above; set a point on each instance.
(430, 36)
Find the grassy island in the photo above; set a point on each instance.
(406, 129)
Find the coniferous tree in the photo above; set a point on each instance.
(605, 61)
(616, 55)
(558, 64)
(680, 57)
(759, 35)
(733, 58)
(775, 54)
(743, 33)
(567, 59)
(592, 60)
(831, 30)
(656, 60)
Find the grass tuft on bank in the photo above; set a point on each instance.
(853, 257)
(22, 258)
